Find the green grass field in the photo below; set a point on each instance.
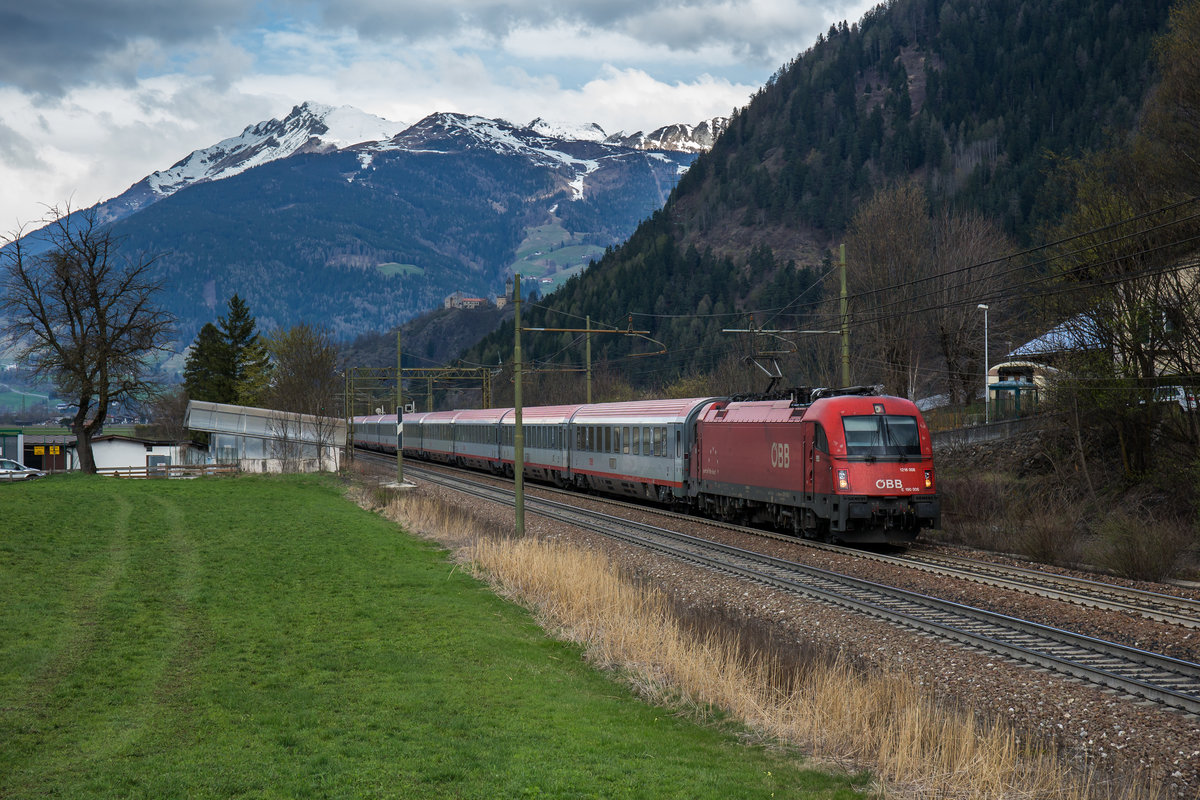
(264, 637)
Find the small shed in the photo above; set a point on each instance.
(51, 452)
(1016, 387)
(115, 452)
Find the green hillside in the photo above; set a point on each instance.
(972, 101)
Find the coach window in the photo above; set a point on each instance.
(625, 440)
(636, 443)
(607, 439)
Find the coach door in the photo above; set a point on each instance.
(818, 469)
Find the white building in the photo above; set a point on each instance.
(114, 452)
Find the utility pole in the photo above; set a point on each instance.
(987, 406)
(349, 415)
(845, 320)
(588, 350)
(518, 431)
(399, 413)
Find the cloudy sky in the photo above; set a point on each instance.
(96, 94)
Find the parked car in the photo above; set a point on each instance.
(16, 471)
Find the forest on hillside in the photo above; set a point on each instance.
(976, 107)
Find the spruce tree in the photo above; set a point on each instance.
(228, 362)
(207, 370)
(250, 366)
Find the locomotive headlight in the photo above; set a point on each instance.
(928, 479)
(843, 480)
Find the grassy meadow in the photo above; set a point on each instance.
(265, 637)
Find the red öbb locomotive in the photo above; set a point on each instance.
(846, 465)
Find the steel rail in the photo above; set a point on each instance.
(1171, 682)
(1082, 592)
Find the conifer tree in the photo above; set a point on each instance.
(228, 362)
(251, 365)
(207, 370)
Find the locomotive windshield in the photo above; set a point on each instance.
(882, 435)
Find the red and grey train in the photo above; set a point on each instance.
(846, 465)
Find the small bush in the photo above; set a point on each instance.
(1043, 529)
(971, 504)
(1132, 544)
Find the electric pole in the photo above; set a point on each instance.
(518, 432)
(845, 320)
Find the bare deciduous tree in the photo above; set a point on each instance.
(1131, 312)
(306, 385)
(889, 244)
(82, 314)
(965, 249)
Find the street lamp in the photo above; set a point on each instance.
(987, 416)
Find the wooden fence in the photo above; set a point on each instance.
(171, 471)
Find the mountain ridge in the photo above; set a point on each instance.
(317, 128)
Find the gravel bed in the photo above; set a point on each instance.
(1090, 724)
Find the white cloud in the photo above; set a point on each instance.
(125, 87)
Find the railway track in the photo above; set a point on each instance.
(1154, 677)
(1077, 591)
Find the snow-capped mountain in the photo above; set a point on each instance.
(573, 159)
(316, 128)
(309, 128)
(568, 131)
(576, 151)
(331, 215)
(679, 137)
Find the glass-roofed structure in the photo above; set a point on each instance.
(266, 440)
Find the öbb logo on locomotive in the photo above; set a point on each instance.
(864, 461)
(781, 455)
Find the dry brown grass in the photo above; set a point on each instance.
(856, 718)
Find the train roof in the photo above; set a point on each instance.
(755, 411)
(546, 414)
(656, 412)
(372, 418)
(828, 409)
(484, 415)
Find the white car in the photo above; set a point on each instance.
(16, 471)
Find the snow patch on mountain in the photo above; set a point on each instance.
(568, 131)
(454, 133)
(310, 127)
